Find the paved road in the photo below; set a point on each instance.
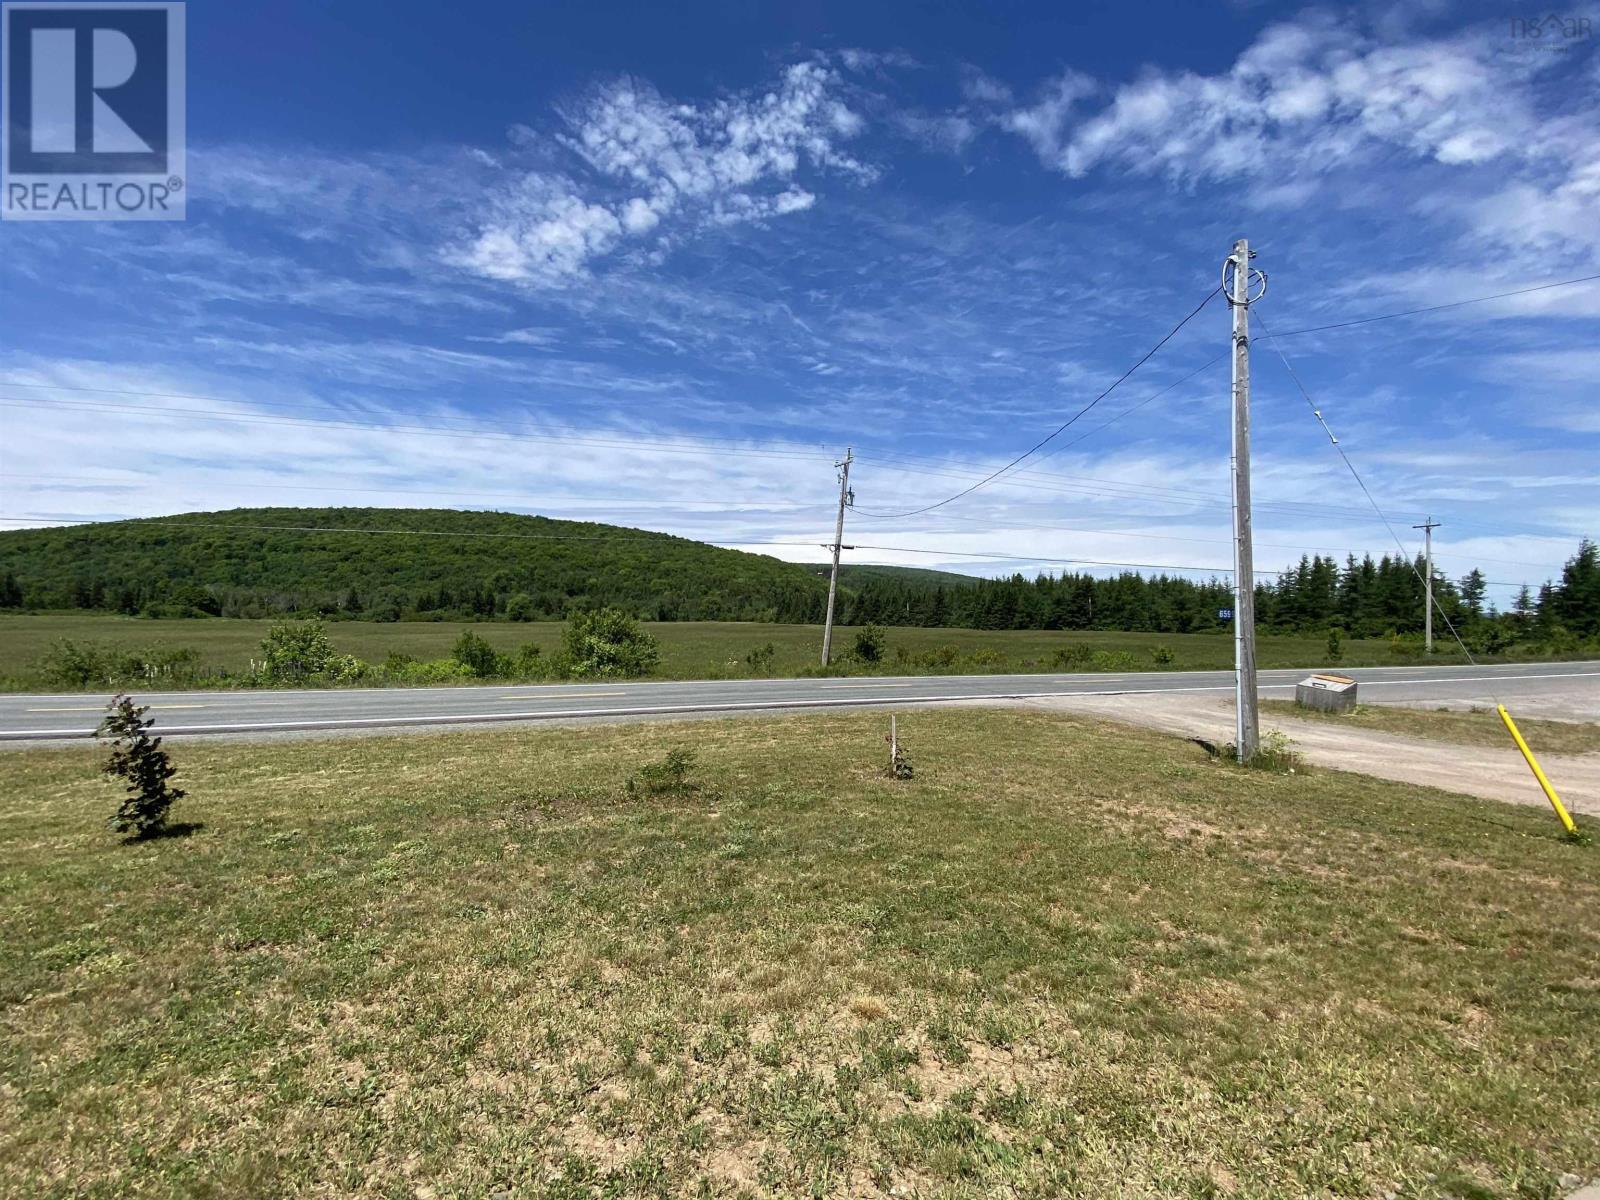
(263, 713)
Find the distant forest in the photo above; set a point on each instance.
(1361, 597)
(443, 564)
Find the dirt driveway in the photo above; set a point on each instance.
(1471, 770)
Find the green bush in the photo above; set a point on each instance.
(608, 643)
(294, 651)
(478, 656)
(987, 660)
(1114, 660)
(940, 658)
(528, 662)
(1162, 656)
(760, 659)
(402, 668)
(68, 663)
(519, 607)
(1074, 657)
(869, 644)
(1335, 644)
(138, 759)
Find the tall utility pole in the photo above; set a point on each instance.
(838, 539)
(1427, 527)
(1247, 728)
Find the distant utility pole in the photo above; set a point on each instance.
(845, 498)
(1427, 527)
(1236, 288)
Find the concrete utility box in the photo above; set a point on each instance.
(1329, 693)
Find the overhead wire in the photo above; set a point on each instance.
(1412, 312)
(1070, 421)
(1316, 412)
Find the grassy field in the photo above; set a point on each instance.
(1479, 727)
(1063, 960)
(690, 650)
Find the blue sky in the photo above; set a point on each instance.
(658, 265)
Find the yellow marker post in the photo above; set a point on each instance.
(1533, 763)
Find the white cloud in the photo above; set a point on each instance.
(948, 132)
(690, 166)
(1309, 93)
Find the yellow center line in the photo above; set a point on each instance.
(568, 696)
(102, 708)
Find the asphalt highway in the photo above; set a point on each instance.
(36, 718)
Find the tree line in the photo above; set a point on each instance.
(1361, 597)
(510, 567)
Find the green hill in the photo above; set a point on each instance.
(391, 563)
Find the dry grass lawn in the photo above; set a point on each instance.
(1477, 727)
(1064, 960)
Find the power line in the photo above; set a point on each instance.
(528, 502)
(432, 431)
(952, 554)
(1068, 423)
(1365, 491)
(1412, 312)
(800, 449)
(947, 553)
(646, 536)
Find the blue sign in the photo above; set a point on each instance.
(1224, 614)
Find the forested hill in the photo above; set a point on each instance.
(261, 561)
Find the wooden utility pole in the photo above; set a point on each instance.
(838, 540)
(1427, 527)
(1247, 738)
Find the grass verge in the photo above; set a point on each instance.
(694, 649)
(1477, 727)
(1065, 960)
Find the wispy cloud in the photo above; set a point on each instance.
(655, 170)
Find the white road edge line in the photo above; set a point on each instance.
(379, 722)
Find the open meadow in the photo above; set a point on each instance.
(691, 649)
(1065, 959)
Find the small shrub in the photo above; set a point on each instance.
(607, 642)
(138, 759)
(67, 663)
(1405, 647)
(477, 656)
(670, 776)
(1275, 753)
(528, 662)
(760, 659)
(295, 650)
(900, 763)
(1335, 644)
(74, 664)
(1162, 656)
(940, 658)
(397, 663)
(438, 670)
(869, 644)
(1075, 657)
(986, 660)
(1114, 660)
